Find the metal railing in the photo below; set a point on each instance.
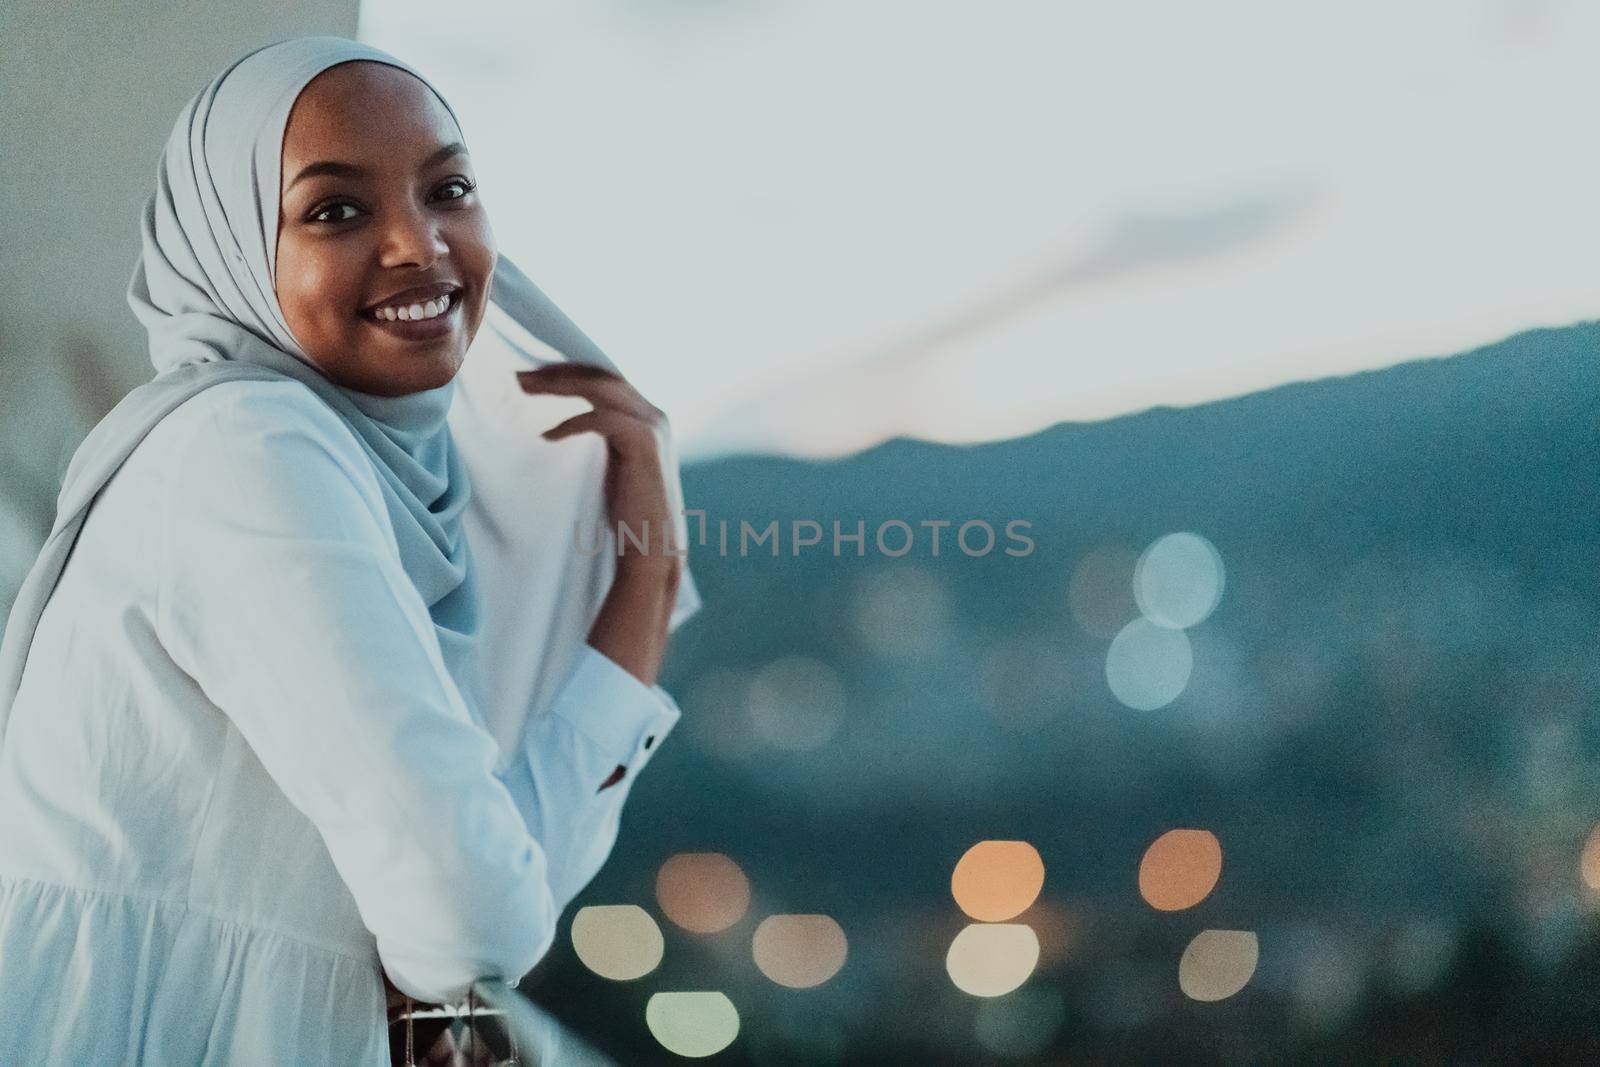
(532, 1036)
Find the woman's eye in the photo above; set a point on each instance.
(461, 183)
(317, 215)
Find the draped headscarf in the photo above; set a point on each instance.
(204, 290)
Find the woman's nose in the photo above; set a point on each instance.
(411, 238)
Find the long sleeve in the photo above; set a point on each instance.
(565, 780)
(281, 594)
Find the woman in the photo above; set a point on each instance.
(243, 765)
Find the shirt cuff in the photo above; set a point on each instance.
(604, 702)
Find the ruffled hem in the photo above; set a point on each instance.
(96, 977)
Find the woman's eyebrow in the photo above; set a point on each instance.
(352, 170)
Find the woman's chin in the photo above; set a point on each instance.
(429, 374)
(398, 375)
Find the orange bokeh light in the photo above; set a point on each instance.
(703, 892)
(799, 951)
(997, 880)
(1179, 869)
(1589, 863)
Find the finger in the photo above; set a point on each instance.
(568, 372)
(628, 434)
(602, 390)
(571, 366)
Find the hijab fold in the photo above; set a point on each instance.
(203, 289)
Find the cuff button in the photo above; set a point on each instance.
(649, 740)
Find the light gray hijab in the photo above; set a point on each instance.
(203, 289)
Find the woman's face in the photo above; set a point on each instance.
(378, 200)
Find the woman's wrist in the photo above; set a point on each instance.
(632, 625)
(656, 569)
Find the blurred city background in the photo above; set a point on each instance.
(1279, 741)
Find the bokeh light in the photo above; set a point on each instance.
(1179, 869)
(703, 892)
(1178, 580)
(1218, 963)
(717, 714)
(1100, 592)
(799, 951)
(992, 959)
(997, 880)
(617, 941)
(1419, 954)
(1025, 680)
(694, 1024)
(1148, 666)
(796, 703)
(1589, 863)
(1022, 1024)
(1328, 977)
(902, 612)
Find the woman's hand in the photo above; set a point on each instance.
(635, 489)
(631, 628)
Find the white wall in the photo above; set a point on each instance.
(89, 90)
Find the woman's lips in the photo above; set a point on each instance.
(419, 329)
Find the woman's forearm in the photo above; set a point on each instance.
(631, 628)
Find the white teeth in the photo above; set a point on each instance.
(412, 312)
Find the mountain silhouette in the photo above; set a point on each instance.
(1390, 725)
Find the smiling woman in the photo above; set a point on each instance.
(244, 763)
(384, 247)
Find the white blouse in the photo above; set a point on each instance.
(239, 782)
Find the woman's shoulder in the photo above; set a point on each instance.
(250, 407)
(264, 433)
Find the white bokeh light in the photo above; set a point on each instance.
(1218, 963)
(1148, 666)
(617, 941)
(992, 959)
(692, 1024)
(1178, 580)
